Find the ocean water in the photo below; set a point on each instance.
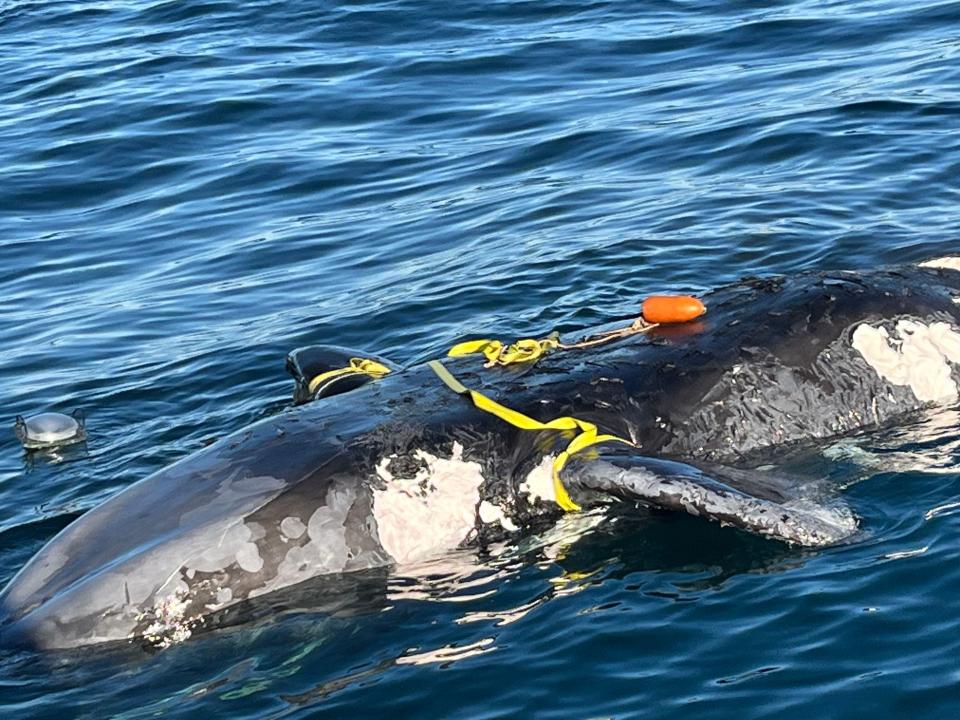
(191, 188)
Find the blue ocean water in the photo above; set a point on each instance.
(191, 188)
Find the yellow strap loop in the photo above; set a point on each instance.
(588, 435)
(357, 366)
(522, 351)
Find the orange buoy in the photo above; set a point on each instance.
(662, 309)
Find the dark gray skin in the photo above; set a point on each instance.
(290, 497)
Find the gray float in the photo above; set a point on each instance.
(50, 430)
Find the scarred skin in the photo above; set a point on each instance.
(291, 497)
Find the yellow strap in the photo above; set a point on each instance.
(357, 366)
(588, 435)
(522, 351)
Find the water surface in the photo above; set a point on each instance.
(192, 188)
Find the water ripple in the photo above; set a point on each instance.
(193, 187)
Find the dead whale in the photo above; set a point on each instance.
(389, 472)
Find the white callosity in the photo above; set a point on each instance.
(918, 357)
(432, 512)
(168, 621)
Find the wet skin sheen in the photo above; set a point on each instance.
(296, 496)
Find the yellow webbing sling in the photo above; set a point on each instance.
(357, 366)
(522, 351)
(588, 432)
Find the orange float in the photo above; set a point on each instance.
(666, 309)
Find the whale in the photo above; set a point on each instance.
(392, 469)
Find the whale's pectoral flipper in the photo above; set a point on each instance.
(745, 499)
(315, 368)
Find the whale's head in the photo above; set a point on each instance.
(254, 512)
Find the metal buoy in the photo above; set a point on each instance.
(49, 430)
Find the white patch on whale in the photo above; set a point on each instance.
(234, 545)
(950, 262)
(917, 358)
(420, 517)
(490, 513)
(248, 558)
(292, 527)
(326, 550)
(538, 484)
(168, 621)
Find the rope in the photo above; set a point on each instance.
(587, 436)
(357, 366)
